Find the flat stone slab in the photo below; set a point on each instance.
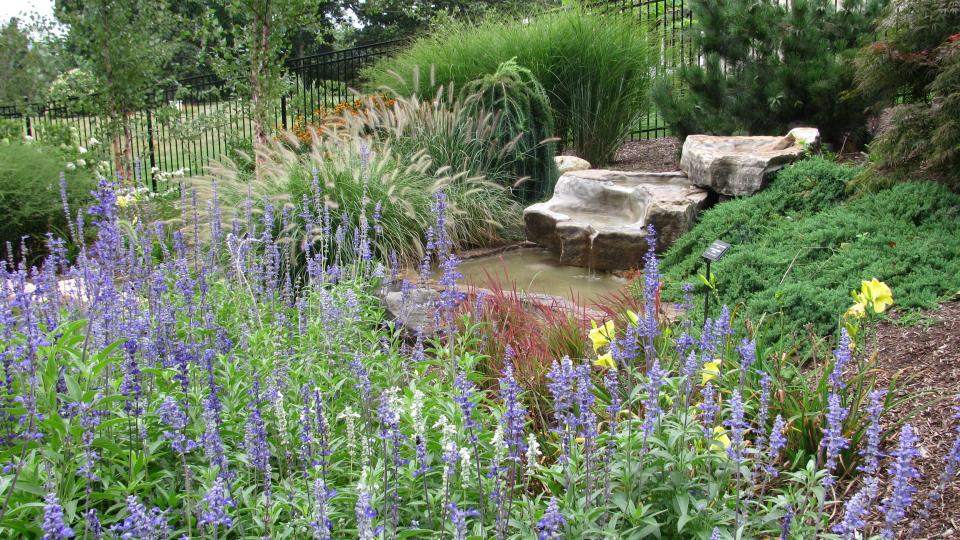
(740, 166)
(597, 218)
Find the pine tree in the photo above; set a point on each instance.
(768, 65)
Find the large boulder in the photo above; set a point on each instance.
(597, 218)
(738, 166)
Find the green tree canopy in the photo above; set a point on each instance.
(29, 60)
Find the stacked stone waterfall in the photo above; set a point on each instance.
(597, 218)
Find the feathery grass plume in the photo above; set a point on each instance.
(386, 163)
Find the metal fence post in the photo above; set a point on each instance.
(283, 111)
(153, 177)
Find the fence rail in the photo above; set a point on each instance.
(204, 118)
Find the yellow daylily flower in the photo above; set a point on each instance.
(857, 311)
(605, 361)
(602, 335)
(711, 370)
(721, 441)
(877, 293)
(633, 317)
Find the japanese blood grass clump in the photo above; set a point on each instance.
(194, 392)
(595, 69)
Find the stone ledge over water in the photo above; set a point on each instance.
(597, 218)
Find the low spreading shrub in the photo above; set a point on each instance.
(595, 69)
(30, 200)
(11, 129)
(801, 246)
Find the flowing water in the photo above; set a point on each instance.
(539, 271)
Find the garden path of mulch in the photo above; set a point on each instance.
(653, 155)
(924, 357)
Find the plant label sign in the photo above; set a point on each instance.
(716, 250)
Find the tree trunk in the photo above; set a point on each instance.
(119, 120)
(128, 149)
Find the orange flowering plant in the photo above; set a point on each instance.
(324, 119)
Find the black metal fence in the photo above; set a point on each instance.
(666, 20)
(203, 118)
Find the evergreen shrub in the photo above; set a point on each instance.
(916, 64)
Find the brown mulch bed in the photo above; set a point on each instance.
(653, 155)
(924, 358)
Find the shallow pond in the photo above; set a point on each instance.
(539, 271)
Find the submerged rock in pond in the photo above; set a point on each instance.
(413, 310)
(598, 218)
(738, 166)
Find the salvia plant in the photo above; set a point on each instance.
(171, 384)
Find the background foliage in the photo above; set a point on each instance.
(30, 195)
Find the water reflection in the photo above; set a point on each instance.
(539, 271)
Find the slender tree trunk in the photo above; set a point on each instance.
(127, 149)
(112, 100)
(119, 121)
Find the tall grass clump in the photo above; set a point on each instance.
(594, 68)
(452, 131)
(524, 123)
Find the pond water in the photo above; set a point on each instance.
(539, 271)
